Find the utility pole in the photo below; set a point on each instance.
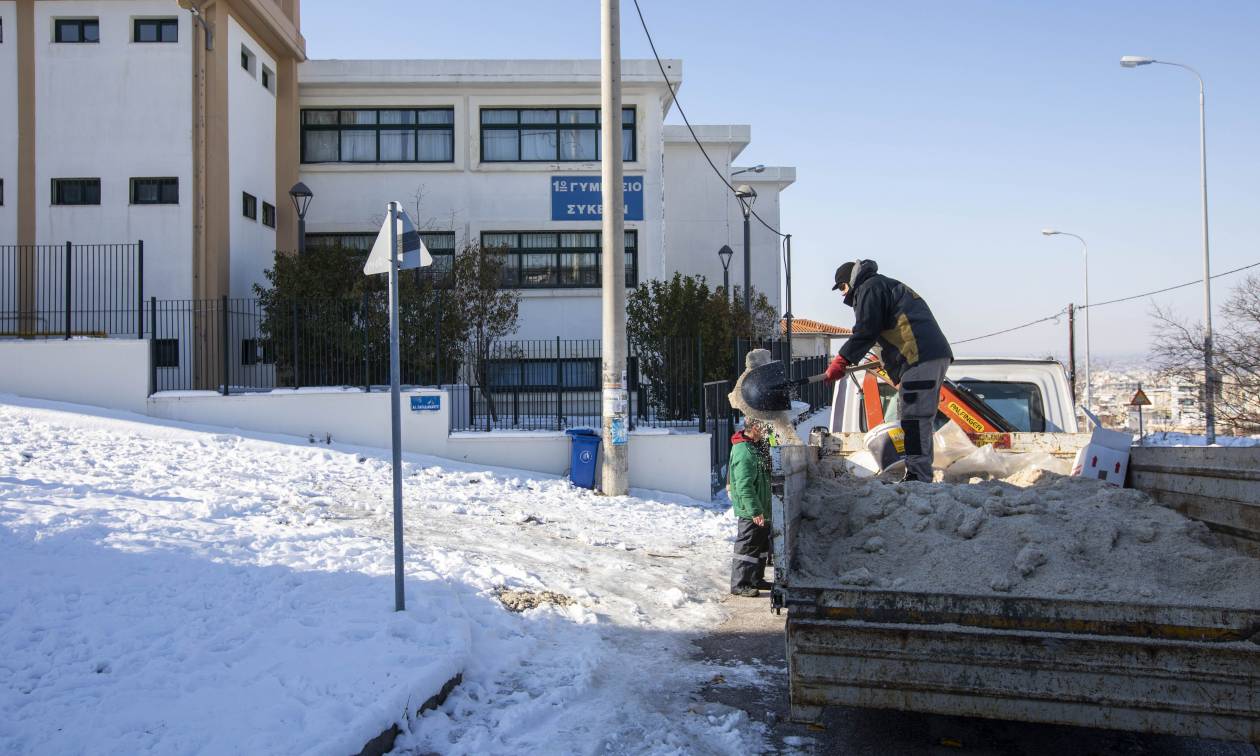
(1072, 352)
(616, 438)
(787, 316)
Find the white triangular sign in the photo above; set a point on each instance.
(415, 254)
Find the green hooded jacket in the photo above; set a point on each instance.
(749, 480)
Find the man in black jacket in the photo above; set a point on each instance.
(915, 352)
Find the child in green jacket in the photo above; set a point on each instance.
(750, 494)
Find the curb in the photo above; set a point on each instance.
(384, 743)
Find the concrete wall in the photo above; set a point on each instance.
(8, 121)
(659, 461)
(101, 372)
(116, 110)
(251, 160)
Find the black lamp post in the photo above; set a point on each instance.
(747, 196)
(725, 254)
(301, 196)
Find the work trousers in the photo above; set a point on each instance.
(918, 397)
(752, 548)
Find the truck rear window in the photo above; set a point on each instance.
(1019, 403)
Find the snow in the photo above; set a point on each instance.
(1169, 438)
(174, 589)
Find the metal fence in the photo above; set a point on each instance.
(68, 290)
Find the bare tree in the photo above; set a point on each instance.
(487, 312)
(1178, 353)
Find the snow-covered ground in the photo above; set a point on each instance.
(1170, 438)
(172, 589)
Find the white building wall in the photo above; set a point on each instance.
(116, 110)
(703, 214)
(251, 160)
(469, 197)
(8, 121)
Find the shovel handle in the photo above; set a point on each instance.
(872, 365)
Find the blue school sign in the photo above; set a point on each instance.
(577, 198)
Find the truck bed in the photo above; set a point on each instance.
(1139, 665)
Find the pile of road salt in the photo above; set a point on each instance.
(1036, 533)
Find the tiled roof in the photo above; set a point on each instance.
(807, 327)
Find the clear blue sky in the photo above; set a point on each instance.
(938, 138)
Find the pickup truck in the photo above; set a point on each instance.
(1140, 664)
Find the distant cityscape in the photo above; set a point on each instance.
(1176, 404)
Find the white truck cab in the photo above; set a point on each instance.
(1032, 394)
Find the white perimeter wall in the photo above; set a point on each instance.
(101, 372)
(8, 124)
(674, 463)
(469, 197)
(251, 160)
(115, 110)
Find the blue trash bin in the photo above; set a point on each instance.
(584, 455)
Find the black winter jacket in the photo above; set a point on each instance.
(891, 314)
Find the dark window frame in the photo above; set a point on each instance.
(81, 27)
(520, 127)
(90, 189)
(166, 353)
(161, 25)
(514, 273)
(164, 183)
(257, 351)
(249, 61)
(441, 245)
(1, 192)
(249, 206)
(520, 382)
(268, 214)
(378, 127)
(267, 79)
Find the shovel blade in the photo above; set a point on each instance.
(766, 389)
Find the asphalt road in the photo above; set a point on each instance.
(754, 634)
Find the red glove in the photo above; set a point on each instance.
(835, 371)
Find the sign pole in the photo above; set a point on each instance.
(616, 397)
(395, 410)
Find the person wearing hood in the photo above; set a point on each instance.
(914, 350)
(749, 486)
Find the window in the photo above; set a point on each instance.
(74, 30)
(166, 353)
(565, 260)
(249, 206)
(155, 191)
(1, 192)
(581, 374)
(1019, 403)
(548, 135)
(441, 245)
(248, 60)
(155, 30)
(269, 215)
(81, 191)
(257, 351)
(425, 135)
(268, 80)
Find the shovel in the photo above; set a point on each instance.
(767, 389)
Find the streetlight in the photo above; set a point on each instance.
(301, 196)
(724, 254)
(747, 196)
(1209, 376)
(755, 169)
(1089, 389)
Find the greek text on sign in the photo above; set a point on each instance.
(578, 198)
(426, 403)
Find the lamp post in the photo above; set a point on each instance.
(1089, 389)
(1209, 375)
(301, 196)
(725, 254)
(754, 169)
(747, 196)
